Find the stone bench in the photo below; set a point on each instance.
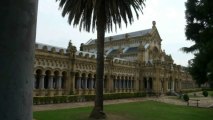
(193, 101)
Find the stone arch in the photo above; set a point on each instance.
(39, 68)
(63, 79)
(56, 75)
(38, 76)
(150, 80)
(89, 81)
(46, 78)
(94, 84)
(145, 82)
(77, 80)
(83, 80)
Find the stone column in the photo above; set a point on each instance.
(79, 82)
(180, 87)
(76, 83)
(92, 83)
(127, 83)
(85, 83)
(165, 88)
(121, 83)
(82, 82)
(130, 84)
(41, 82)
(117, 83)
(114, 83)
(133, 84)
(173, 85)
(147, 84)
(59, 82)
(50, 82)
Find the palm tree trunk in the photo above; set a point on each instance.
(97, 111)
(17, 39)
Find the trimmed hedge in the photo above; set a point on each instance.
(191, 90)
(82, 98)
(207, 89)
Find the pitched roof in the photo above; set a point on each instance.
(122, 36)
(132, 50)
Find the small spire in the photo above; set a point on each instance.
(126, 35)
(70, 44)
(81, 47)
(153, 23)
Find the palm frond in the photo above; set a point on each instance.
(84, 12)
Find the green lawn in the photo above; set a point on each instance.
(148, 110)
(210, 93)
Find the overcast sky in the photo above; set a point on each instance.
(169, 15)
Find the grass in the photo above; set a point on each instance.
(199, 94)
(148, 110)
(210, 93)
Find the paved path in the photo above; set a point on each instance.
(204, 102)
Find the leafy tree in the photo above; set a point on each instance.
(199, 29)
(17, 41)
(101, 15)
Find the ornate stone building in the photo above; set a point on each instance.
(134, 62)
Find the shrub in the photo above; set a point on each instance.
(89, 97)
(35, 100)
(191, 90)
(205, 93)
(185, 97)
(207, 89)
(72, 98)
(81, 98)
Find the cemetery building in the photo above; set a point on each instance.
(134, 62)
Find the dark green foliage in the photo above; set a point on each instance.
(199, 29)
(85, 12)
(207, 89)
(185, 97)
(205, 93)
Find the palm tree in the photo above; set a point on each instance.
(101, 15)
(17, 40)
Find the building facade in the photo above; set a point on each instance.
(134, 62)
